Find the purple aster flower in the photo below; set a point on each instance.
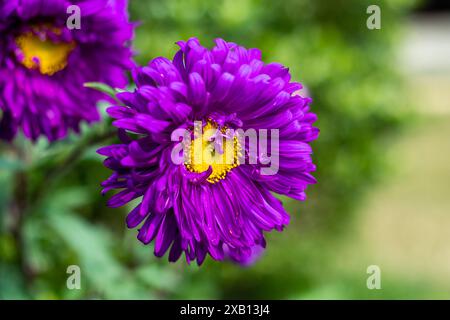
(44, 63)
(220, 208)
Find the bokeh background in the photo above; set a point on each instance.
(383, 102)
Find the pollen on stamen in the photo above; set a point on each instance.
(201, 152)
(40, 52)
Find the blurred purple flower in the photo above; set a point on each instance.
(44, 64)
(207, 208)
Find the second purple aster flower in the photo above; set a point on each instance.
(44, 64)
(203, 205)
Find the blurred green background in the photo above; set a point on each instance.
(382, 169)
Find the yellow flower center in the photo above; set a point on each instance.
(211, 147)
(44, 54)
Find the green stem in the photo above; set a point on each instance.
(69, 160)
(18, 209)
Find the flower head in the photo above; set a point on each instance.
(44, 63)
(217, 199)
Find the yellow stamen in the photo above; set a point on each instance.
(201, 153)
(47, 56)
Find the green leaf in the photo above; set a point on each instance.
(101, 272)
(102, 87)
(90, 243)
(158, 277)
(9, 164)
(12, 285)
